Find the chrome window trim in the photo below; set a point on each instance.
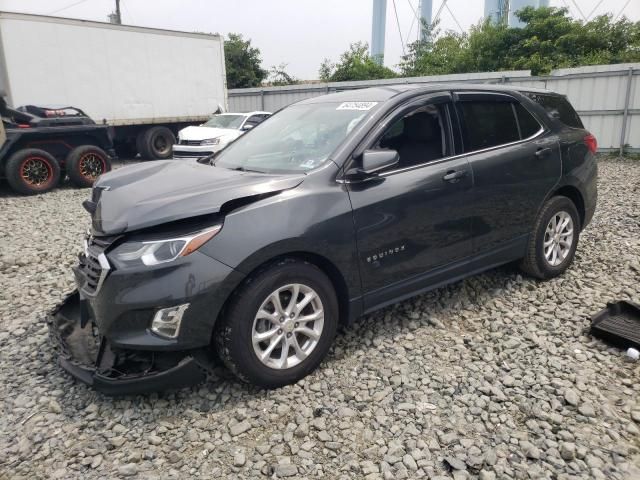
(446, 159)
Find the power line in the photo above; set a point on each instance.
(455, 19)
(579, 9)
(594, 9)
(67, 7)
(620, 12)
(435, 19)
(395, 11)
(413, 21)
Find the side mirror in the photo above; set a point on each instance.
(375, 160)
(247, 127)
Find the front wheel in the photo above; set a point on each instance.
(554, 240)
(279, 325)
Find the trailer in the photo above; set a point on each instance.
(145, 83)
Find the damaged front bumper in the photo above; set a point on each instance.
(88, 356)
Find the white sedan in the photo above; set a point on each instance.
(215, 134)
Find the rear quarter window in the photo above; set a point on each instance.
(558, 107)
(529, 126)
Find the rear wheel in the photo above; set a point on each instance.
(156, 143)
(32, 171)
(279, 325)
(554, 240)
(85, 164)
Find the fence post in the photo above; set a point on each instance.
(262, 99)
(625, 117)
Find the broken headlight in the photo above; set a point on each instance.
(154, 252)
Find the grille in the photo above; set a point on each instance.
(190, 142)
(94, 264)
(190, 154)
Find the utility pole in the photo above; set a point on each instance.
(379, 20)
(504, 14)
(116, 17)
(426, 9)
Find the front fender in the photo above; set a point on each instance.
(296, 221)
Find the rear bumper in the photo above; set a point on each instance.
(89, 357)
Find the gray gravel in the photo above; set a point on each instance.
(492, 377)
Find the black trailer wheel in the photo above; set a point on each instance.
(86, 163)
(156, 143)
(32, 171)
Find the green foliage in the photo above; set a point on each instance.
(279, 77)
(354, 64)
(550, 39)
(243, 63)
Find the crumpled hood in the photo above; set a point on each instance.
(153, 193)
(204, 133)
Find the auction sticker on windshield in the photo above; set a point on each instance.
(357, 105)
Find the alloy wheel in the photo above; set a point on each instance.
(558, 238)
(91, 166)
(288, 326)
(36, 171)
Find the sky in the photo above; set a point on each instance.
(299, 33)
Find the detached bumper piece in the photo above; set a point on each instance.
(619, 324)
(89, 358)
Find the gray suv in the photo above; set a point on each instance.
(330, 209)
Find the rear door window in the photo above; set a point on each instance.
(488, 123)
(558, 107)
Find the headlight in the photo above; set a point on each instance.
(154, 252)
(210, 141)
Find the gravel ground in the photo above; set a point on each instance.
(492, 377)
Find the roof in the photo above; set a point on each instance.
(380, 94)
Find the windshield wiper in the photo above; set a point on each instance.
(244, 169)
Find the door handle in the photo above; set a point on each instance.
(543, 152)
(454, 176)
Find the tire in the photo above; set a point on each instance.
(85, 164)
(234, 330)
(536, 263)
(32, 171)
(156, 143)
(126, 150)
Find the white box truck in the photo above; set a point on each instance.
(146, 83)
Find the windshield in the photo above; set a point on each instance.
(225, 121)
(296, 139)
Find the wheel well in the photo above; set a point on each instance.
(325, 265)
(573, 194)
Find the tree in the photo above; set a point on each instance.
(435, 55)
(278, 76)
(550, 39)
(243, 63)
(354, 64)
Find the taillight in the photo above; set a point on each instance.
(591, 143)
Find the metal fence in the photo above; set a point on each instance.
(607, 97)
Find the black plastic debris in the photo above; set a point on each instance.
(619, 324)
